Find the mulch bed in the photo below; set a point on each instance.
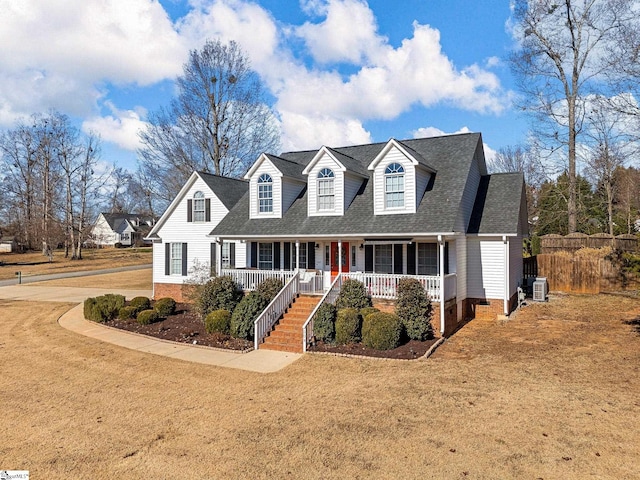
(411, 350)
(183, 327)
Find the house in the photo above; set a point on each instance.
(125, 229)
(181, 245)
(8, 244)
(425, 208)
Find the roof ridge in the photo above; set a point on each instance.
(201, 172)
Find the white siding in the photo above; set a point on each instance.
(485, 268)
(352, 184)
(515, 264)
(102, 233)
(338, 187)
(460, 247)
(290, 191)
(254, 208)
(394, 155)
(468, 196)
(422, 180)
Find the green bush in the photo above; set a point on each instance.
(348, 323)
(381, 330)
(140, 303)
(104, 308)
(146, 317)
(127, 312)
(219, 293)
(324, 323)
(414, 309)
(245, 314)
(367, 311)
(353, 295)
(165, 306)
(218, 321)
(269, 288)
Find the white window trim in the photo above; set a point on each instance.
(265, 181)
(399, 173)
(260, 261)
(175, 256)
(326, 183)
(199, 208)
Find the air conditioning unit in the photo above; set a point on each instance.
(540, 289)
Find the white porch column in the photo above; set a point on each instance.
(339, 256)
(441, 272)
(297, 255)
(505, 241)
(219, 256)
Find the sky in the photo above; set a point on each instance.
(339, 72)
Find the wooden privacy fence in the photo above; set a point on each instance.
(581, 274)
(555, 243)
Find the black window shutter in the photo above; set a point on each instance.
(287, 256)
(207, 209)
(254, 254)
(214, 258)
(411, 259)
(189, 210)
(276, 255)
(446, 258)
(167, 259)
(397, 259)
(368, 258)
(184, 259)
(232, 255)
(311, 255)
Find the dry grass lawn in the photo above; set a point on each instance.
(553, 393)
(135, 280)
(92, 259)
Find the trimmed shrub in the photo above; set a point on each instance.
(269, 288)
(219, 293)
(218, 321)
(104, 308)
(367, 311)
(324, 323)
(165, 306)
(348, 323)
(245, 314)
(353, 295)
(146, 317)
(414, 309)
(140, 303)
(127, 312)
(381, 330)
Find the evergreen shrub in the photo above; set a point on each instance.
(140, 303)
(165, 306)
(269, 288)
(245, 314)
(324, 323)
(353, 295)
(219, 293)
(414, 309)
(218, 321)
(348, 323)
(146, 317)
(127, 312)
(381, 330)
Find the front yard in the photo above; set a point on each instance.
(552, 393)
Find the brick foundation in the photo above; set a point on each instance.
(173, 290)
(451, 314)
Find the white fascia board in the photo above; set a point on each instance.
(172, 206)
(391, 143)
(492, 235)
(318, 156)
(340, 236)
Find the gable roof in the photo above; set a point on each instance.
(450, 156)
(114, 220)
(497, 208)
(415, 157)
(287, 168)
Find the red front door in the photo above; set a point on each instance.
(334, 257)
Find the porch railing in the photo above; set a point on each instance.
(450, 286)
(384, 285)
(249, 279)
(265, 321)
(311, 282)
(330, 296)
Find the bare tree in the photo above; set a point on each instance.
(219, 122)
(563, 56)
(627, 196)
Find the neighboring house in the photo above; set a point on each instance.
(181, 245)
(425, 208)
(8, 245)
(126, 229)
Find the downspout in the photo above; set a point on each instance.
(442, 292)
(219, 256)
(505, 240)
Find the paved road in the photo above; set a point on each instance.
(57, 276)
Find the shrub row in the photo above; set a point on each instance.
(104, 308)
(107, 307)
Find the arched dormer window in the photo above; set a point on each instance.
(198, 207)
(326, 192)
(265, 193)
(394, 186)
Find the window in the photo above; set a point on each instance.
(265, 256)
(394, 186)
(427, 259)
(175, 260)
(198, 207)
(225, 255)
(265, 193)
(327, 255)
(353, 256)
(384, 259)
(303, 255)
(326, 195)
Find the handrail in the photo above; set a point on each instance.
(384, 285)
(249, 279)
(307, 328)
(276, 307)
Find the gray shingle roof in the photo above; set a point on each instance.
(497, 206)
(287, 167)
(450, 156)
(115, 219)
(228, 190)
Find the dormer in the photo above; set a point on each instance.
(400, 178)
(333, 180)
(274, 184)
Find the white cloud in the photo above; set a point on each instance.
(307, 131)
(427, 132)
(121, 127)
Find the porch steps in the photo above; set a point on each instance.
(286, 335)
